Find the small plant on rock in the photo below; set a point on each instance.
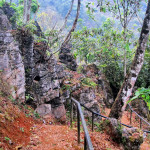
(88, 82)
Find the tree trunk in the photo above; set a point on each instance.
(130, 79)
(25, 11)
(29, 10)
(66, 17)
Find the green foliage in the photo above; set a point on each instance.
(7, 138)
(18, 16)
(11, 99)
(66, 87)
(143, 93)
(34, 5)
(80, 68)
(30, 112)
(2, 3)
(104, 46)
(36, 115)
(99, 126)
(88, 82)
(30, 26)
(40, 39)
(22, 129)
(28, 96)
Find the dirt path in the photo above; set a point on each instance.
(54, 137)
(61, 137)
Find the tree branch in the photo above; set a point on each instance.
(67, 17)
(74, 24)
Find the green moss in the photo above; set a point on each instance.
(80, 68)
(66, 87)
(88, 82)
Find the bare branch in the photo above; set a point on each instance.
(119, 13)
(138, 18)
(67, 17)
(74, 24)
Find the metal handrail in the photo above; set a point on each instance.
(97, 114)
(87, 141)
(138, 115)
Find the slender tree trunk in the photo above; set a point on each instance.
(74, 24)
(29, 10)
(66, 17)
(125, 52)
(126, 89)
(25, 11)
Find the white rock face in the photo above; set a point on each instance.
(11, 65)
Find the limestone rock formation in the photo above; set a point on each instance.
(30, 71)
(67, 58)
(44, 109)
(10, 13)
(11, 64)
(130, 138)
(43, 74)
(141, 108)
(89, 87)
(103, 87)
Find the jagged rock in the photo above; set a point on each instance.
(87, 95)
(107, 92)
(4, 23)
(43, 74)
(103, 88)
(130, 138)
(67, 58)
(43, 109)
(59, 113)
(94, 107)
(11, 64)
(140, 107)
(10, 13)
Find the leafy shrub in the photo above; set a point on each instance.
(143, 93)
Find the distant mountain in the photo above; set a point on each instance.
(62, 7)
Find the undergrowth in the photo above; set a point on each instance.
(16, 121)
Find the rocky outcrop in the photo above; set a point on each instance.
(29, 69)
(67, 58)
(43, 75)
(10, 13)
(89, 87)
(11, 64)
(130, 138)
(141, 108)
(103, 88)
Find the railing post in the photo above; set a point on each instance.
(130, 117)
(140, 123)
(85, 143)
(71, 113)
(92, 121)
(78, 126)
